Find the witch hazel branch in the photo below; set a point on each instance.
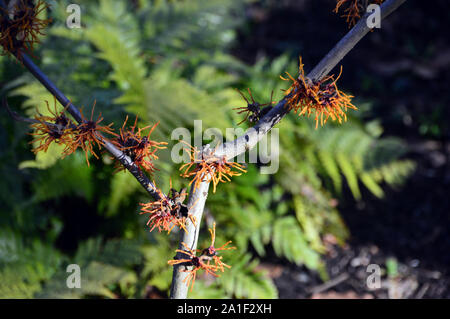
(133, 149)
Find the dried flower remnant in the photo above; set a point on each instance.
(168, 212)
(140, 148)
(322, 97)
(254, 111)
(193, 264)
(206, 166)
(353, 9)
(20, 26)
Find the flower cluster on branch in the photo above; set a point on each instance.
(88, 135)
(137, 146)
(21, 25)
(54, 128)
(353, 9)
(168, 212)
(322, 97)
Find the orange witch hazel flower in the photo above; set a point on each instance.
(195, 262)
(209, 167)
(55, 127)
(139, 147)
(168, 212)
(211, 251)
(353, 10)
(323, 98)
(203, 261)
(20, 25)
(87, 134)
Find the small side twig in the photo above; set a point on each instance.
(16, 117)
(329, 284)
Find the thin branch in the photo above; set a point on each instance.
(73, 110)
(196, 205)
(253, 135)
(126, 161)
(16, 117)
(329, 284)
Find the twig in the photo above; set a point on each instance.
(422, 291)
(126, 161)
(196, 205)
(118, 154)
(15, 116)
(329, 284)
(253, 135)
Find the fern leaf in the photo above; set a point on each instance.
(331, 168)
(350, 174)
(244, 281)
(288, 241)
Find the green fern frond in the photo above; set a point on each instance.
(329, 163)
(243, 280)
(24, 268)
(289, 241)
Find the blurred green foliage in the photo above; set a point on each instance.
(167, 61)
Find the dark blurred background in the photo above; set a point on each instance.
(372, 191)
